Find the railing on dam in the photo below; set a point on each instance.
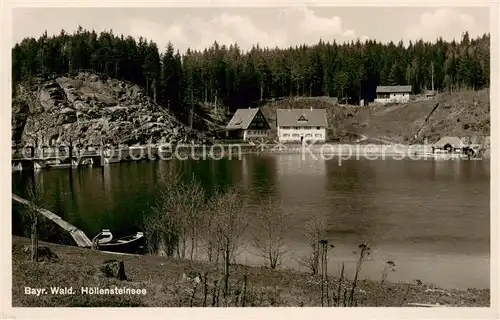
(153, 150)
(44, 153)
(78, 236)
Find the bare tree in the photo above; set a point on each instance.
(194, 207)
(324, 271)
(210, 231)
(269, 236)
(176, 215)
(164, 223)
(152, 235)
(30, 215)
(315, 230)
(389, 266)
(230, 224)
(364, 253)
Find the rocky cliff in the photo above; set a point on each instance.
(87, 108)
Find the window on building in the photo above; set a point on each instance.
(302, 118)
(317, 135)
(317, 128)
(309, 135)
(295, 135)
(286, 135)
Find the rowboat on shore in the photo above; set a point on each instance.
(130, 244)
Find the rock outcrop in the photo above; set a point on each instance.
(88, 109)
(114, 269)
(44, 254)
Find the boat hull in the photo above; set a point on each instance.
(135, 246)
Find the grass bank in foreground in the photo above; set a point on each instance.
(165, 287)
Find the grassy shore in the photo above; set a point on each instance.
(165, 287)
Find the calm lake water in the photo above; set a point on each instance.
(432, 218)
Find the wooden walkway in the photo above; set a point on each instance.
(77, 234)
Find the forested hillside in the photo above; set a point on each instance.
(227, 76)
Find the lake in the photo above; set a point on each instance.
(432, 218)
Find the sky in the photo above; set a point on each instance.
(198, 28)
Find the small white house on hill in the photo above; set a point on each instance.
(393, 94)
(298, 125)
(449, 144)
(248, 124)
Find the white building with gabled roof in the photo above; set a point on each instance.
(393, 94)
(298, 125)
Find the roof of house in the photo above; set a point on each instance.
(455, 142)
(301, 118)
(242, 118)
(393, 89)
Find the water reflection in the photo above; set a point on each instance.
(106, 179)
(296, 164)
(350, 190)
(411, 211)
(261, 174)
(446, 169)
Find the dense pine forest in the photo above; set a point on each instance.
(226, 75)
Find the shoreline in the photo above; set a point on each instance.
(326, 151)
(162, 278)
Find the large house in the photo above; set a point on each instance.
(301, 124)
(393, 94)
(248, 124)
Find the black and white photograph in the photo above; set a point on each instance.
(300, 155)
